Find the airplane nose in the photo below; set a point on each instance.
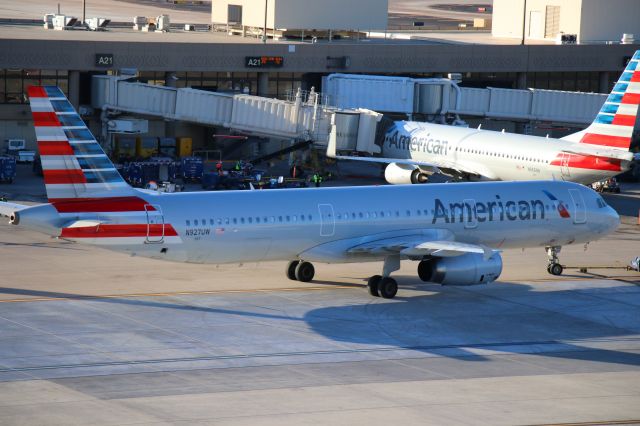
(613, 219)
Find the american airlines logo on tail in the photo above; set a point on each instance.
(614, 123)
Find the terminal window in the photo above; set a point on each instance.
(14, 83)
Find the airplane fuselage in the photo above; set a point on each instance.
(496, 155)
(320, 224)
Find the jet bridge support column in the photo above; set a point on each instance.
(74, 88)
(603, 83)
(263, 84)
(521, 81)
(170, 80)
(521, 84)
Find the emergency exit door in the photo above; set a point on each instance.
(155, 223)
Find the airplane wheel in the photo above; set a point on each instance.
(388, 288)
(291, 270)
(555, 269)
(305, 272)
(372, 285)
(425, 270)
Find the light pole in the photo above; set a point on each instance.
(264, 34)
(524, 21)
(84, 10)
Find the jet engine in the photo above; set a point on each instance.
(400, 174)
(468, 269)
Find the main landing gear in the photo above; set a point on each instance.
(298, 270)
(383, 285)
(554, 267)
(378, 285)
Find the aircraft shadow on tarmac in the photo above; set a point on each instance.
(452, 322)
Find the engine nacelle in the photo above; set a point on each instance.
(43, 218)
(401, 174)
(468, 269)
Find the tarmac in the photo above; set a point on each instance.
(92, 336)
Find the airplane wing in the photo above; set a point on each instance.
(7, 209)
(420, 245)
(389, 160)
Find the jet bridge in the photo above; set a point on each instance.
(303, 119)
(437, 97)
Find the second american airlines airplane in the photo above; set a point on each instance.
(413, 150)
(455, 232)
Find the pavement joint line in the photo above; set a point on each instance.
(308, 353)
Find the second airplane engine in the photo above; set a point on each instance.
(400, 174)
(468, 269)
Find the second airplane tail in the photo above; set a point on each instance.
(614, 124)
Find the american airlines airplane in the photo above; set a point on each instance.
(455, 232)
(415, 150)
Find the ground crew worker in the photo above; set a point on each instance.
(317, 179)
(219, 168)
(238, 167)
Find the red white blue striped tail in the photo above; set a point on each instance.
(73, 163)
(614, 123)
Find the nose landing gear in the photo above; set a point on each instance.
(554, 267)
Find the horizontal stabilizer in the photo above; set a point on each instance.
(584, 149)
(85, 223)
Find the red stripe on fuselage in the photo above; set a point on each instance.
(590, 162)
(52, 177)
(55, 148)
(37, 92)
(45, 119)
(630, 99)
(624, 120)
(119, 231)
(95, 205)
(606, 140)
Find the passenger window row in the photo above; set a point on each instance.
(340, 216)
(258, 220)
(502, 155)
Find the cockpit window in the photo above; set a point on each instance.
(601, 203)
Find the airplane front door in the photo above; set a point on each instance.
(327, 220)
(579, 209)
(155, 223)
(564, 165)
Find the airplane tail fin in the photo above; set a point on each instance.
(613, 126)
(75, 167)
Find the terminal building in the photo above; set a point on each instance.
(234, 57)
(579, 21)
